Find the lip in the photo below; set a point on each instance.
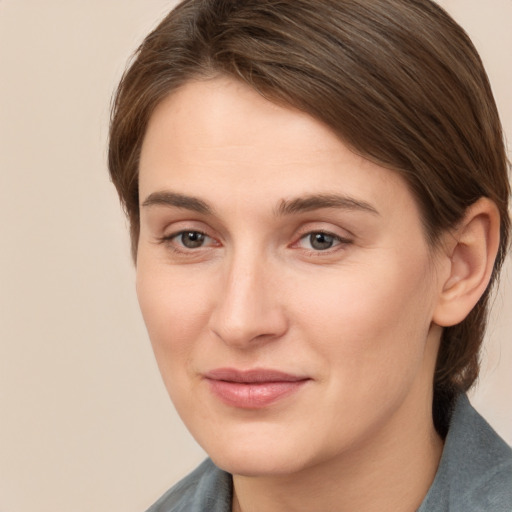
(252, 389)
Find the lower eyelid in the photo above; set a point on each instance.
(170, 240)
(211, 241)
(338, 242)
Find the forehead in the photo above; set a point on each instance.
(222, 113)
(220, 136)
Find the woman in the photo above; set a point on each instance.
(317, 195)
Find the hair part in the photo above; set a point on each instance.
(397, 80)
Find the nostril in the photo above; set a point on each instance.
(248, 327)
(248, 310)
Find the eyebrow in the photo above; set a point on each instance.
(286, 206)
(319, 201)
(173, 199)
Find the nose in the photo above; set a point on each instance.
(247, 310)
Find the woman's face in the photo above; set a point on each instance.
(285, 282)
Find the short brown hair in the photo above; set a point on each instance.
(397, 80)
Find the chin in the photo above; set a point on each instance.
(256, 465)
(258, 456)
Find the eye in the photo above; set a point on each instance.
(319, 241)
(190, 239)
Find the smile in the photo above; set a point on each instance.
(253, 389)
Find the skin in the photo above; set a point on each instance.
(357, 319)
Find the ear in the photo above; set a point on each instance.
(469, 253)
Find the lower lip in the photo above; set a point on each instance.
(253, 395)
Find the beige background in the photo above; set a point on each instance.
(85, 424)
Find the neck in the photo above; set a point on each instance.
(392, 471)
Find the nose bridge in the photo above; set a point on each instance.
(248, 307)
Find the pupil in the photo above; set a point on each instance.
(192, 239)
(321, 241)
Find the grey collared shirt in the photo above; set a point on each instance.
(474, 475)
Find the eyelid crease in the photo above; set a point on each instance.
(169, 237)
(327, 233)
(340, 239)
(314, 226)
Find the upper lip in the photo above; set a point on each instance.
(255, 376)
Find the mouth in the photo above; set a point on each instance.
(252, 389)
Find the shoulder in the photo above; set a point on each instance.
(206, 488)
(475, 472)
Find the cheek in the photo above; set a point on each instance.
(370, 320)
(174, 310)
(368, 333)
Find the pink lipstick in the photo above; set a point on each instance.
(252, 389)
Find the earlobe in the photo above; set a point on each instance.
(470, 257)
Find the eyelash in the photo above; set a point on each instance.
(168, 240)
(338, 241)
